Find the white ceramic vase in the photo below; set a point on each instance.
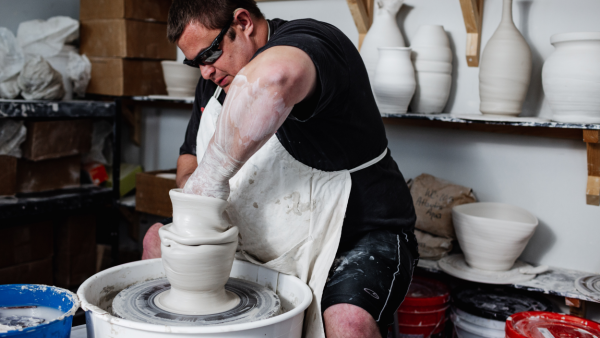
(384, 32)
(571, 77)
(197, 250)
(492, 235)
(432, 59)
(394, 80)
(504, 69)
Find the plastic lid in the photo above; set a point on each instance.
(497, 303)
(535, 324)
(426, 292)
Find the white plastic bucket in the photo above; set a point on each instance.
(97, 292)
(469, 326)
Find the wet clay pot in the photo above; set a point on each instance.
(198, 249)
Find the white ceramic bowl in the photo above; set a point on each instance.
(492, 235)
(181, 80)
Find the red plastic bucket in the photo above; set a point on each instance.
(423, 311)
(538, 324)
(421, 331)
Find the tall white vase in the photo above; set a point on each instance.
(394, 80)
(571, 77)
(432, 59)
(384, 32)
(504, 69)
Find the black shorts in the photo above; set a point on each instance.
(373, 274)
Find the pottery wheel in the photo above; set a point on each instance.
(455, 265)
(136, 303)
(589, 286)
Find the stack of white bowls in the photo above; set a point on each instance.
(432, 59)
(492, 235)
(181, 79)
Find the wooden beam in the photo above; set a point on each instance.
(472, 15)
(362, 18)
(592, 193)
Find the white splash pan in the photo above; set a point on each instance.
(97, 292)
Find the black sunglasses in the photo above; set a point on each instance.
(212, 53)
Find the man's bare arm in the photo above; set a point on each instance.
(259, 100)
(186, 164)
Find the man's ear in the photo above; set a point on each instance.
(244, 19)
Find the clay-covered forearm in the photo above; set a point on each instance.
(258, 101)
(252, 113)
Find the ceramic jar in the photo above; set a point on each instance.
(571, 77)
(492, 235)
(432, 60)
(384, 32)
(504, 69)
(394, 80)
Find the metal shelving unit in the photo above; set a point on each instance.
(85, 197)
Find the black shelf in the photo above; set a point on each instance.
(56, 109)
(55, 201)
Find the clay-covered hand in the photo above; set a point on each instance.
(211, 178)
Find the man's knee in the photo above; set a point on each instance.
(152, 242)
(347, 320)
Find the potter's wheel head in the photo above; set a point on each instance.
(137, 303)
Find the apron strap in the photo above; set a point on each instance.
(370, 163)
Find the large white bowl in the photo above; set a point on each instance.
(181, 80)
(492, 235)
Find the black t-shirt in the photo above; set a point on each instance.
(338, 127)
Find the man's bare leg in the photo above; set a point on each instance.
(349, 321)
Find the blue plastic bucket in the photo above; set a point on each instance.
(41, 295)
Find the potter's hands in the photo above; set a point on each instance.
(152, 242)
(211, 178)
(258, 101)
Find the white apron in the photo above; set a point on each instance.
(289, 215)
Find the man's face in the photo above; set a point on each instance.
(236, 53)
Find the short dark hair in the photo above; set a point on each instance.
(212, 14)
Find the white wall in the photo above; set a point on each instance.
(13, 12)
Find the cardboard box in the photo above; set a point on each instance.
(54, 139)
(58, 173)
(75, 250)
(155, 10)
(8, 175)
(152, 193)
(25, 243)
(37, 272)
(126, 39)
(126, 77)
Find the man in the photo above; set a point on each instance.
(295, 140)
